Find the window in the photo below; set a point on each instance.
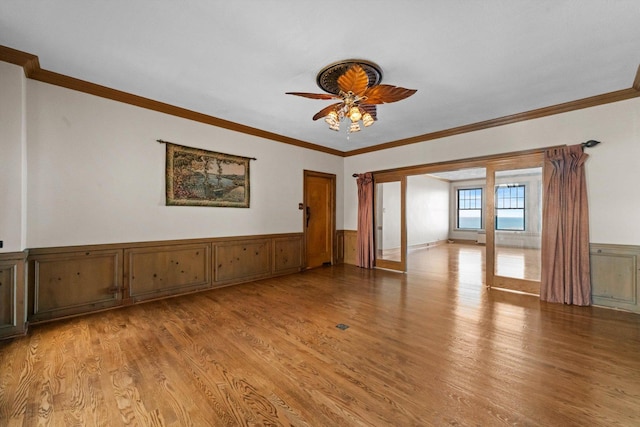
(470, 208)
(510, 207)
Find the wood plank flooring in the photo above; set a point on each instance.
(425, 348)
(518, 263)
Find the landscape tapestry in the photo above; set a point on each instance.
(196, 177)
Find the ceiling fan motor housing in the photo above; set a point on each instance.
(327, 78)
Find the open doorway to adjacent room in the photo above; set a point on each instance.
(445, 225)
(479, 223)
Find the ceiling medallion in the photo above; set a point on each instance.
(327, 78)
(355, 84)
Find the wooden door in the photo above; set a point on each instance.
(390, 221)
(319, 218)
(514, 223)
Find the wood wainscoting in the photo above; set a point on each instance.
(614, 276)
(350, 242)
(166, 270)
(77, 281)
(68, 281)
(12, 294)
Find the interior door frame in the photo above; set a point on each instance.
(492, 280)
(332, 207)
(507, 159)
(380, 178)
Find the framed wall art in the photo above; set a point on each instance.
(196, 177)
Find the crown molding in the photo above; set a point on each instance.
(636, 81)
(592, 101)
(32, 70)
(27, 61)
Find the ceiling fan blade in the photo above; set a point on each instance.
(320, 114)
(371, 109)
(354, 80)
(382, 94)
(313, 95)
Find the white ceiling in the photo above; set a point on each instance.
(469, 60)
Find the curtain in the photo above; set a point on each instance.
(365, 244)
(565, 272)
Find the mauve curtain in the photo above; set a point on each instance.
(365, 244)
(565, 243)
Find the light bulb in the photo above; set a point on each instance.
(355, 127)
(355, 114)
(331, 118)
(367, 120)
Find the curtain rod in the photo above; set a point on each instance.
(590, 143)
(169, 142)
(587, 144)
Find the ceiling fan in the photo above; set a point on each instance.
(356, 85)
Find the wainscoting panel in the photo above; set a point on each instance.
(7, 295)
(339, 247)
(287, 255)
(68, 281)
(242, 260)
(614, 276)
(12, 294)
(62, 284)
(350, 246)
(153, 272)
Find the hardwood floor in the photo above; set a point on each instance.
(469, 260)
(425, 348)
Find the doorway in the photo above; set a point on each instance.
(319, 219)
(514, 223)
(445, 223)
(390, 222)
(495, 207)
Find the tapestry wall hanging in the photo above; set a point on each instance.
(196, 177)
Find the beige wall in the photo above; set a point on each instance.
(78, 169)
(427, 210)
(13, 158)
(612, 169)
(96, 174)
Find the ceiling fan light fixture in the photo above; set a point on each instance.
(355, 84)
(354, 114)
(332, 118)
(367, 120)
